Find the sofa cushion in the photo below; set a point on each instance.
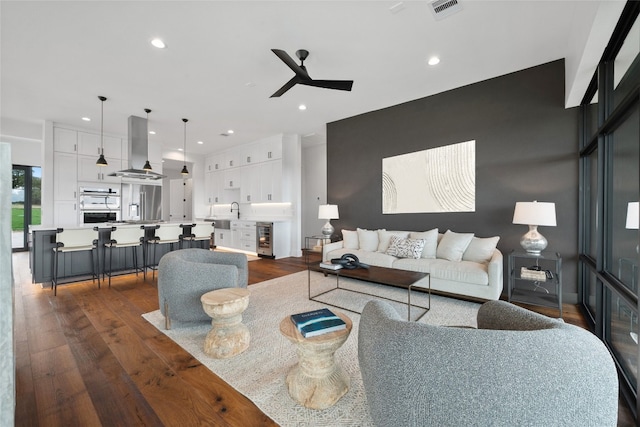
(430, 242)
(463, 271)
(384, 237)
(405, 248)
(367, 239)
(421, 265)
(372, 258)
(481, 249)
(350, 239)
(452, 245)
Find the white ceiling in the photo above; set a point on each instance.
(219, 72)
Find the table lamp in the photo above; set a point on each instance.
(328, 212)
(632, 218)
(534, 214)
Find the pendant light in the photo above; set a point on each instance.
(184, 149)
(147, 166)
(101, 160)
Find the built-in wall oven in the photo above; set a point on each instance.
(264, 239)
(99, 205)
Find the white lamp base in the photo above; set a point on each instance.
(533, 242)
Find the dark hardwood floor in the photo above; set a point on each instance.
(88, 358)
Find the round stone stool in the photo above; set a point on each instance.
(228, 337)
(316, 382)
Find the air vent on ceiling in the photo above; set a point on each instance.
(224, 134)
(443, 8)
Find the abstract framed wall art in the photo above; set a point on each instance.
(441, 179)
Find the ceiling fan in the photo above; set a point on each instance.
(302, 77)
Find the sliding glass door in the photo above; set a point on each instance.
(25, 204)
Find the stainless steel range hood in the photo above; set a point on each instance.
(138, 150)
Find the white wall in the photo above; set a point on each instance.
(314, 184)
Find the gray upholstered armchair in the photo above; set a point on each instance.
(517, 368)
(186, 274)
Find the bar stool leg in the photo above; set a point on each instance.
(54, 282)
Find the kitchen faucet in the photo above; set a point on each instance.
(238, 208)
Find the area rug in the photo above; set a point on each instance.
(259, 373)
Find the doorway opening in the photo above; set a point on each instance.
(26, 186)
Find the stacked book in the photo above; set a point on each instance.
(330, 266)
(317, 322)
(537, 275)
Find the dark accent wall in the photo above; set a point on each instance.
(526, 149)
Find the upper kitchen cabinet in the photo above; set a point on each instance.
(232, 158)
(89, 145)
(270, 149)
(271, 181)
(65, 140)
(214, 163)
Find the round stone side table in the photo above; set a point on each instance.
(317, 382)
(228, 336)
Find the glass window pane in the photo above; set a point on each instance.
(625, 188)
(36, 195)
(592, 117)
(17, 207)
(591, 198)
(622, 334)
(624, 77)
(590, 293)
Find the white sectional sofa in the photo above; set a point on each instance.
(458, 263)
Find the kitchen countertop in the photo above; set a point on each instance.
(105, 225)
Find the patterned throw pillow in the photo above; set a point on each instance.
(405, 248)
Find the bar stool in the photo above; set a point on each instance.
(165, 234)
(125, 237)
(199, 234)
(74, 240)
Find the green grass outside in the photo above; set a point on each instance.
(17, 216)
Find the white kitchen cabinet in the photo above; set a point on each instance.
(271, 181)
(270, 150)
(232, 158)
(65, 177)
(250, 184)
(88, 144)
(208, 188)
(89, 171)
(223, 238)
(65, 140)
(248, 237)
(232, 178)
(249, 155)
(65, 213)
(214, 163)
(217, 187)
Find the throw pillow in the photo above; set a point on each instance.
(430, 242)
(452, 245)
(367, 239)
(350, 239)
(405, 248)
(481, 249)
(384, 238)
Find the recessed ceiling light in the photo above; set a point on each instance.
(152, 132)
(250, 84)
(200, 142)
(230, 131)
(302, 107)
(434, 60)
(180, 149)
(86, 119)
(158, 43)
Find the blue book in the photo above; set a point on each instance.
(317, 322)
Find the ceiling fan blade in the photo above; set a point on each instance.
(284, 56)
(329, 84)
(288, 85)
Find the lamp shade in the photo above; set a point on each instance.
(535, 213)
(632, 216)
(328, 212)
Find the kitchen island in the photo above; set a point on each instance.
(78, 264)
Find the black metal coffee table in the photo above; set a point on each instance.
(379, 275)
